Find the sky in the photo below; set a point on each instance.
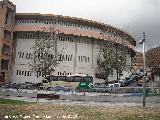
(133, 16)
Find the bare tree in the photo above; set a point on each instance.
(45, 56)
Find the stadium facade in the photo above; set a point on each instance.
(79, 38)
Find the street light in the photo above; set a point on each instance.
(142, 41)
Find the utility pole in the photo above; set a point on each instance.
(144, 76)
(159, 84)
(144, 67)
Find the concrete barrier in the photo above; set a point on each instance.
(18, 94)
(108, 98)
(111, 98)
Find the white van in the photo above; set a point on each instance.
(117, 84)
(114, 85)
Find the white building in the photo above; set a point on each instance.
(79, 38)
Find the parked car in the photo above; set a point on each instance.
(59, 88)
(129, 80)
(133, 77)
(100, 89)
(113, 88)
(117, 84)
(122, 82)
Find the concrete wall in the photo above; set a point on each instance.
(78, 63)
(84, 52)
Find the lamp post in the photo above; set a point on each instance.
(144, 77)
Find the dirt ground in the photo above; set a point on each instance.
(67, 112)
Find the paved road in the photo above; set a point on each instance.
(90, 99)
(86, 103)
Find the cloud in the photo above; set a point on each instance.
(149, 22)
(135, 16)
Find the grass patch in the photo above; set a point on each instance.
(9, 101)
(82, 112)
(130, 117)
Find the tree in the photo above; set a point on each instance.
(105, 61)
(45, 56)
(121, 60)
(153, 59)
(111, 58)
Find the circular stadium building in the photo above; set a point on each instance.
(79, 38)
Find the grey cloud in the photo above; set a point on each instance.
(135, 16)
(149, 22)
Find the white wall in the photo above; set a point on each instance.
(64, 47)
(74, 66)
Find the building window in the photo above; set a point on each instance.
(19, 54)
(63, 58)
(83, 59)
(26, 55)
(20, 72)
(28, 74)
(4, 64)
(60, 57)
(79, 58)
(17, 72)
(25, 73)
(7, 35)
(66, 57)
(5, 50)
(70, 57)
(22, 54)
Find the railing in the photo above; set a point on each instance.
(134, 91)
(88, 97)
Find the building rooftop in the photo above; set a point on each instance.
(76, 20)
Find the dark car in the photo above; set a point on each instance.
(132, 78)
(100, 89)
(122, 82)
(129, 80)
